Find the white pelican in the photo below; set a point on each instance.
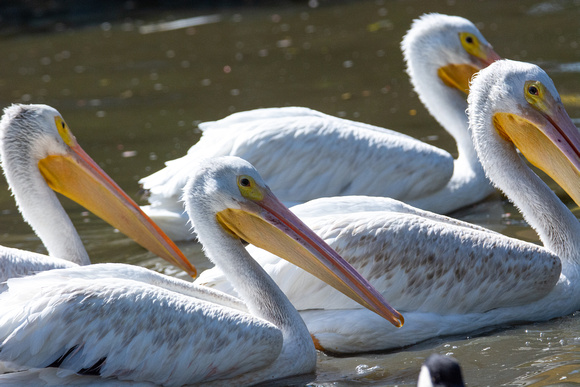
(40, 154)
(304, 154)
(132, 330)
(447, 276)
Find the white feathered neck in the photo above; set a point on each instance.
(28, 133)
(211, 189)
(431, 43)
(500, 88)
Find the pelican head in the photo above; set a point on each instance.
(525, 111)
(38, 147)
(449, 45)
(230, 193)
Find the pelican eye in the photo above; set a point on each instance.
(471, 44)
(535, 94)
(249, 189)
(533, 90)
(64, 131)
(538, 96)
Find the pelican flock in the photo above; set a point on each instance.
(447, 276)
(132, 330)
(40, 155)
(304, 154)
(262, 312)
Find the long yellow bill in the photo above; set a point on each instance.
(458, 76)
(549, 140)
(276, 229)
(76, 176)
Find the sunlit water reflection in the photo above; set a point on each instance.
(133, 95)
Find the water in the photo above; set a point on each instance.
(134, 99)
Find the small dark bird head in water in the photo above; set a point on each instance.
(440, 371)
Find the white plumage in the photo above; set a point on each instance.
(20, 263)
(133, 324)
(39, 154)
(304, 154)
(44, 377)
(447, 276)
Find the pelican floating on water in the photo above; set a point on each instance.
(133, 330)
(447, 276)
(40, 154)
(304, 154)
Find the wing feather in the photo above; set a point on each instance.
(56, 377)
(20, 263)
(141, 274)
(303, 154)
(419, 261)
(130, 329)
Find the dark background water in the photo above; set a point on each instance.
(133, 96)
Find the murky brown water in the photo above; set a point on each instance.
(133, 100)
